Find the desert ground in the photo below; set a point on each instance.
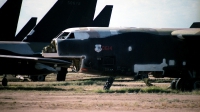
(84, 93)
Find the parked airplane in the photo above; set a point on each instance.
(131, 52)
(33, 47)
(24, 65)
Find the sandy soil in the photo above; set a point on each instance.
(67, 101)
(17, 101)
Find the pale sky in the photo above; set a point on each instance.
(129, 13)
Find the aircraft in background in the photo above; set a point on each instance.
(73, 12)
(103, 18)
(131, 52)
(26, 29)
(64, 14)
(24, 65)
(9, 13)
(195, 25)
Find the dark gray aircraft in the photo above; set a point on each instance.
(24, 65)
(131, 52)
(76, 8)
(195, 25)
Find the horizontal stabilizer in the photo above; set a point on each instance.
(195, 25)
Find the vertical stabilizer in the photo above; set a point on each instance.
(103, 19)
(64, 14)
(26, 29)
(195, 25)
(9, 15)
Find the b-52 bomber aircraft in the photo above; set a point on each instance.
(131, 52)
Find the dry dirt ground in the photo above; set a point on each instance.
(83, 99)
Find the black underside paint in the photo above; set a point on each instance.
(147, 48)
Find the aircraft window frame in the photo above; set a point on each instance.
(81, 35)
(60, 36)
(70, 36)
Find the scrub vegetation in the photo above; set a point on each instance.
(94, 84)
(83, 92)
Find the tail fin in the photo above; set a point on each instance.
(103, 19)
(195, 25)
(64, 14)
(26, 29)
(9, 18)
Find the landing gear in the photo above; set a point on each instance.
(62, 74)
(184, 84)
(37, 77)
(179, 84)
(146, 81)
(145, 77)
(41, 77)
(173, 83)
(196, 85)
(108, 83)
(4, 81)
(141, 75)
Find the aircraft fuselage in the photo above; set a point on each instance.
(126, 53)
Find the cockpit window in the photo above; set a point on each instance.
(71, 36)
(63, 35)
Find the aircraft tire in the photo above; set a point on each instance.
(179, 84)
(33, 77)
(143, 76)
(4, 82)
(173, 84)
(107, 86)
(41, 77)
(196, 85)
(184, 85)
(108, 83)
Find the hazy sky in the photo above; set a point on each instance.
(133, 13)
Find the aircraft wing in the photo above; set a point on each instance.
(36, 59)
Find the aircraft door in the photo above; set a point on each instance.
(101, 54)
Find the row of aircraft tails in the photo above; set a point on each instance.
(90, 46)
